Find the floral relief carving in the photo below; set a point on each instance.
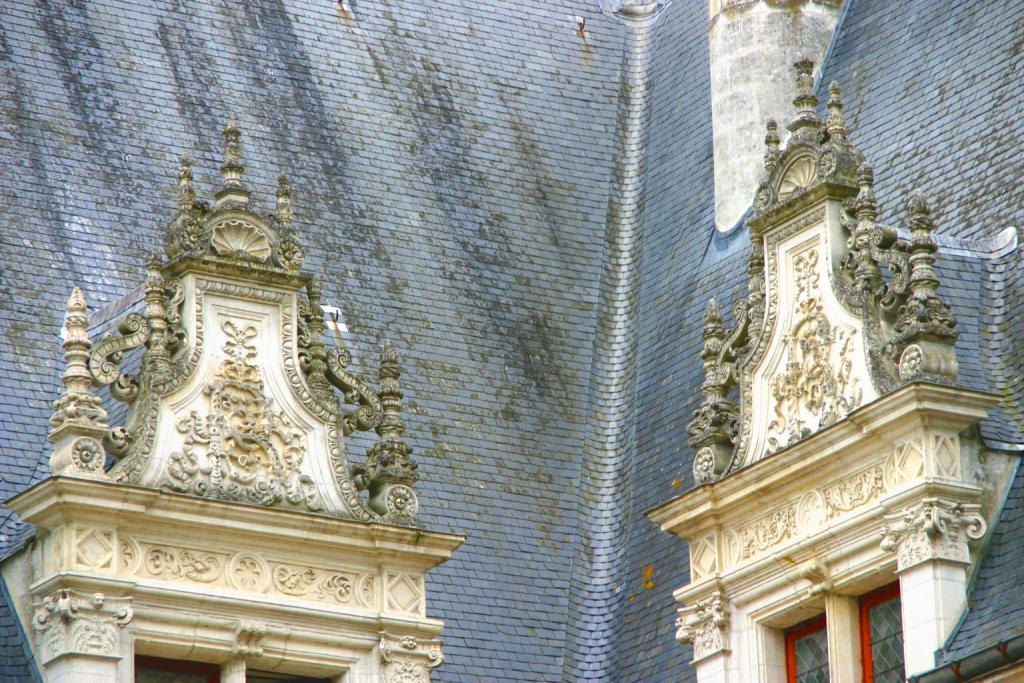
(705, 624)
(854, 492)
(252, 573)
(934, 529)
(183, 564)
(248, 572)
(243, 449)
(69, 622)
(815, 385)
(768, 531)
(307, 582)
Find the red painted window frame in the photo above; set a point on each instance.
(867, 601)
(178, 666)
(794, 634)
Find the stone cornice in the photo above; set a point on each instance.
(786, 472)
(62, 500)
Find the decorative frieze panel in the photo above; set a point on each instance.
(104, 551)
(705, 624)
(801, 516)
(68, 622)
(933, 529)
(408, 659)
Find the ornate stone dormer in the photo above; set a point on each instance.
(235, 397)
(840, 309)
(225, 522)
(830, 415)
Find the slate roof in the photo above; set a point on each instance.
(451, 165)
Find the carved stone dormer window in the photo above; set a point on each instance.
(232, 502)
(831, 415)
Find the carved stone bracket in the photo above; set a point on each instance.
(705, 624)
(248, 639)
(407, 659)
(71, 623)
(933, 529)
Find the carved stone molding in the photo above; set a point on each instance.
(705, 624)
(68, 622)
(934, 529)
(407, 659)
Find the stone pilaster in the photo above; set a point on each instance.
(705, 624)
(407, 659)
(78, 635)
(931, 544)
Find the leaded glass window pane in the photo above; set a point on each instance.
(812, 658)
(887, 641)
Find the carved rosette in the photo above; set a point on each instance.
(705, 624)
(934, 529)
(68, 622)
(407, 659)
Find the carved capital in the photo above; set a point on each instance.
(705, 624)
(934, 529)
(407, 659)
(71, 623)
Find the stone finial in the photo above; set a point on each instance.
(805, 101)
(233, 188)
(316, 372)
(925, 327)
(389, 469)
(714, 423)
(283, 211)
(186, 193)
(771, 143)
(835, 123)
(290, 254)
(866, 273)
(157, 357)
(78, 417)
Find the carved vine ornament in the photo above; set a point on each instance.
(241, 445)
(883, 277)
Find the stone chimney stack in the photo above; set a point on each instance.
(753, 46)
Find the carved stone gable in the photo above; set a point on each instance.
(238, 397)
(839, 311)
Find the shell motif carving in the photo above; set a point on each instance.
(799, 176)
(238, 238)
